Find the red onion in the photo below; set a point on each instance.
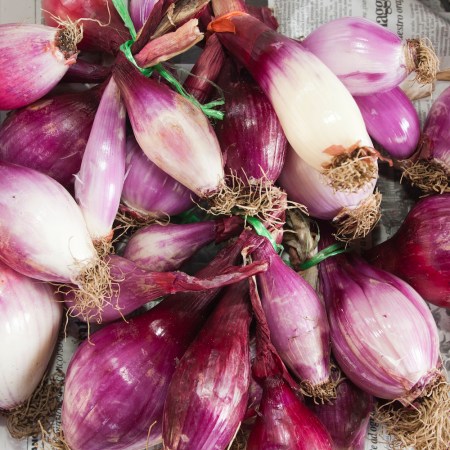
(265, 15)
(392, 120)
(114, 407)
(31, 318)
(140, 10)
(368, 57)
(354, 213)
(85, 72)
(172, 132)
(98, 184)
(206, 70)
(50, 135)
(284, 422)
(208, 394)
(429, 167)
(386, 342)
(322, 123)
(418, 252)
(46, 52)
(166, 247)
(251, 151)
(44, 235)
(148, 191)
(346, 417)
(297, 321)
(105, 32)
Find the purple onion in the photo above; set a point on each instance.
(297, 321)
(140, 10)
(354, 213)
(51, 134)
(346, 417)
(113, 407)
(392, 120)
(322, 121)
(369, 58)
(429, 167)
(163, 248)
(46, 51)
(418, 252)
(265, 15)
(206, 70)
(284, 422)
(105, 31)
(148, 191)
(383, 334)
(31, 316)
(98, 184)
(86, 72)
(250, 151)
(171, 131)
(208, 394)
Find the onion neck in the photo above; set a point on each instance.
(222, 7)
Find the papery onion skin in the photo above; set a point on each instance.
(166, 247)
(419, 252)
(135, 287)
(250, 150)
(392, 120)
(284, 422)
(50, 135)
(310, 188)
(347, 416)
(265, 15)
(383, 335)
(43, 233)
(208, 394)
(105, 36)
(296, 318)
(171, 131)
(25, 49)
(31, 316)
(366, 57)
(316, 111)
(98, 184)
(148, 190)
(114, 409)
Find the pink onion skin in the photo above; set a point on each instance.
(284, 422)
(171, 131)
(383, 335)
(150, 191)
(316, 116)
(265, 15)
(347, 417)
(366, 57)
(162, 248)
(392, 120)
(136, 287)
(31, 316)
(418, 252)
(208, 394)
(309, 187)
(436, 133)
(140, 10)
(99, 183)
(296, 318)
(50, 135)
(95, 37)
(25, 47)
(114, 409)
(43, 233)
(251, 151)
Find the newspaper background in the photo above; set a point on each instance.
(409, 18)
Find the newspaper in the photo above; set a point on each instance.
(408, 18)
